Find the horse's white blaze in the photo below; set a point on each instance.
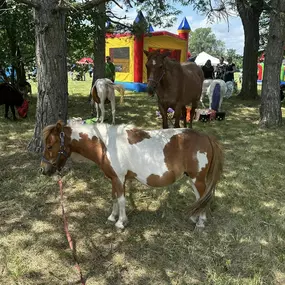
(153, 62)
(202, 160)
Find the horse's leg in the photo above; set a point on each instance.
(210, 96)
(202, 98)
(113, 108)
(192, 112)
(13, 112)
(177, 115)
(119, 204)
(199, 188)
(184, 115)
(163, 112)
(118, 188)
(122, 212)
(97, 110)
(102, 107)
(6, 111)
(115, 211)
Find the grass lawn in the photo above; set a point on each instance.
(243, 242)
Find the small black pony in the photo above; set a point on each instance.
(11, 97)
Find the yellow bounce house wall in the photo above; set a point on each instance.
(164, 42)
(127, 64)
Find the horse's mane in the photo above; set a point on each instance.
(77, 125)
(171, 64)
(46, 132)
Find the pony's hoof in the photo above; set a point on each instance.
(200, 225)
(120, 225)
(194, 219)
(112, 218)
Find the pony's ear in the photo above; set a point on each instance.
(146, 53)
(59, 126)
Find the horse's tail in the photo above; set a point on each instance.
(121, 90)
(212, 177)
(94, 94)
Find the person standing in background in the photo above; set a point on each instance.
(110, 69)
(208, 70)
(221, 69)
(230, 70)
(229, 77)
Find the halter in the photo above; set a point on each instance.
(60, 152)
(157, 81)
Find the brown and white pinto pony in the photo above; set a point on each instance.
(154, 157)
(176, 85)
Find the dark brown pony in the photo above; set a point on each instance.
(175, 84)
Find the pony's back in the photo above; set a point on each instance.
(10, 95)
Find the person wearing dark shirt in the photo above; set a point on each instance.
(230, 70)
(110, 69)
(208, 70)
(221, 69)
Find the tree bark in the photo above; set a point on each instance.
(250, 15)
(270, 109)
(99, 42)
(51, 53)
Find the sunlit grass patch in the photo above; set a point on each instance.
(243, 242)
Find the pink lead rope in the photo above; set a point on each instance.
(68, 236)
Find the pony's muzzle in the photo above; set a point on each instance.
(150, 90)
(47, 169)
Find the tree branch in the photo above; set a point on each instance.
(89, 4)
(31, 3)
(119, 4)
(111, 14)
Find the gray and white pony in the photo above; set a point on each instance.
(103, 91)
(210, 86)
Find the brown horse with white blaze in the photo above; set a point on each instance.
(176, 85)
(154, 157)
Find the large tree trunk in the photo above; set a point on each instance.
(99, 42)
(250, 15)
(270, 109)
(51, 52)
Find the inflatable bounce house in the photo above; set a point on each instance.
(260, 70)
(126, 52)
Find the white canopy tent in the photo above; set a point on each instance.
(203, 57)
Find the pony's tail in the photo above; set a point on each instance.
(94, 94)
(121, 90)
(212, 177)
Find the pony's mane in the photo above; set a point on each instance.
(172, 63)
(76, 125)
(46, 132)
